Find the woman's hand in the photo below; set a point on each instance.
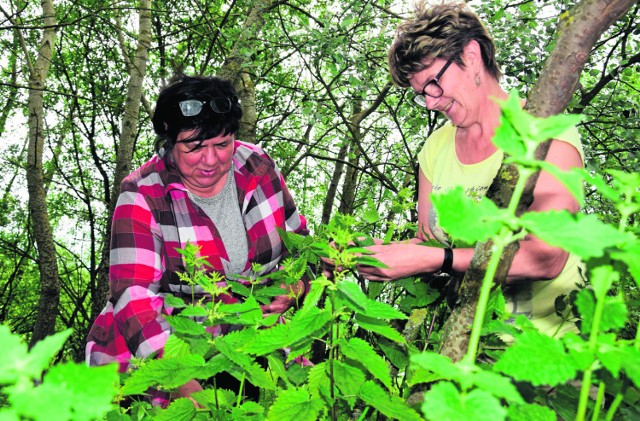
(186, 390)
(402, 260)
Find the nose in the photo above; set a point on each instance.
(209, 155)
(431, 102)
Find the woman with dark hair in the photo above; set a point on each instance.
(447, 57)
(202, 187)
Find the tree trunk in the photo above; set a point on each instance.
(578, 32)
(233, 69)
(137, 69)
(47, 259)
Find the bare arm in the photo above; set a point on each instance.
(534, 260)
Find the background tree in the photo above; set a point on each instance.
(316, 75)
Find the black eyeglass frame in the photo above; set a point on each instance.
(219, 105)
(420, 98)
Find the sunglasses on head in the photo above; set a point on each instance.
(220, 105)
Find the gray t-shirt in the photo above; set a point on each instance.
(224, 211)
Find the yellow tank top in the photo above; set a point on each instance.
(439, 163)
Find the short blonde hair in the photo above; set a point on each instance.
(440, 31)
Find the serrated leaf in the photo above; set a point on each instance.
(277, 368)
(531, 412)
(363, 305)
(445, 402)
(183, 325)
(176, 347)
(396, 353)
(371, 216)
(171, 300)
(347, 377)
(631, 364)
(357, 349)
(69, 391)
(583, 235)
(630, 254)
(179, 410)
(499, 386)
(438, 364)
(380, 327)
(215, 398)
(302, 325)
(319, 382)
(295, 404)
(170, 372)
(547, 363)
(586, 305)
(388, 405)
(465, 219)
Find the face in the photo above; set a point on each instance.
(455, 99)
(204, 166)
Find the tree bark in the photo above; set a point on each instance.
(578, 31)
(137, 69)
(233, 69)
(47, 258)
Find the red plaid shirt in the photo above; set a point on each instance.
(153, 217)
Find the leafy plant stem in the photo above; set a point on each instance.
(598, 404)
(332, 338)
(487, 283)
(483, 299)
(614, 406)
(240, 390)
(593, 344)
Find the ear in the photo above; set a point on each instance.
(472, 56)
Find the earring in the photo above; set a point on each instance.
(477, 79)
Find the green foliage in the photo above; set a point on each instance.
(39, 391)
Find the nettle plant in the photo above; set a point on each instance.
(369, 369)
(540, 365)
(32, 389)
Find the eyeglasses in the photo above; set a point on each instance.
(220, 105)
(432, 88)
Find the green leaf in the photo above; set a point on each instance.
(319, 382)
(248, 411)
(531, 412)
(347, 379)
(631, 364)
(438, 364)
(176, 347)
(357, 349)
(193, 311)
(170, 372)
(586, 305)
(295, 404)
(538, 359)
(69, 391)
(183, 325)
(17, 362)
(499, 386)
(628, 254)
(583, 235)
(179, 410)
(466, 219)
(173, 301)
(380, 327)
(389, 405)
(361, 304)
(302, 325)
(394, 352)
(444, 402)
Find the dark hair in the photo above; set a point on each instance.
(440, 31)
(168, 121)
